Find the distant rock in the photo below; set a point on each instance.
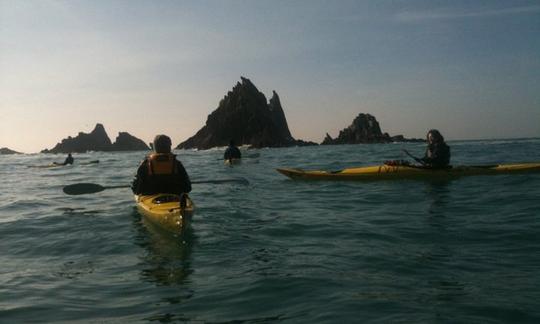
(245, 116)
(126, 142)
(364, 129)
(5, 150)
(97, 140)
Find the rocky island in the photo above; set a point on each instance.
(365, 129)
(126, 142)
(245, 116)
(5, 150)
(98, 140)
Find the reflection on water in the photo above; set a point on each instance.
(439, 252)
(75, 269)
(437, 192)
(168, 258)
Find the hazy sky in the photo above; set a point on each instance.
(469, 68)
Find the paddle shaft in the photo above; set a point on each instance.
(415, 158)
(88, 188)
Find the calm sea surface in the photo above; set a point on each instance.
(277, 250)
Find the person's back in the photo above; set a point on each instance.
(437, 154)
(161, 172)
(69, 159)
(232, 152)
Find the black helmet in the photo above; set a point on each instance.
(162, 144)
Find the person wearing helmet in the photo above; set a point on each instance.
(69, 160)
(161, 172)
(232, 152)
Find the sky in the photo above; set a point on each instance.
(468, 68)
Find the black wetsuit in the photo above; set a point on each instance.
(437, 156)
(175, 183)
(232, 152)
(69, 160)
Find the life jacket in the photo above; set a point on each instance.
(161, 164)
(438, 155)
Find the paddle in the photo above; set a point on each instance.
(88, 188)
(246, 156)
(414, 157)
(89, 162)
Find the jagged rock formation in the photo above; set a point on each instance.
(364, 129)
(5, 150)
(97, 140)
(126, 142)
(245, 116)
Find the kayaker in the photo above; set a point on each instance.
(69, 160)
(232, 152)
(437, 154)
(161, 172)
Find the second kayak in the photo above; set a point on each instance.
(165, 211)
(386, 172)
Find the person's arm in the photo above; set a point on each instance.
(185, 181)
(427, 156)
(440, 155)
(136, 185)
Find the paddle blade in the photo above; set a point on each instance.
(82, 188)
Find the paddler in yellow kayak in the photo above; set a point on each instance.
(437, 154)
(161, 172)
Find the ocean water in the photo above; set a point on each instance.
(276, 250)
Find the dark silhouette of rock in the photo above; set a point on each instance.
(97, 140)
(363, 130)
(126, 142)
(5, 150)
(245, 116)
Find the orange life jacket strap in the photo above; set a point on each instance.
(161, 163)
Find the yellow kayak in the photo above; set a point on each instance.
(385, 172)
(164, 210)
(233, 161)
(46, 166)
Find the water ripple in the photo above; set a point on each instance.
(276, 250)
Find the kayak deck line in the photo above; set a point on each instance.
(388, 172)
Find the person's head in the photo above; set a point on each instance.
(231, 142)
(162, 144)
(69, 154)
(434, 136)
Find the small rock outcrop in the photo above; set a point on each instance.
(365, 129)
(126, 142)
(245, 116)
(97, 140)
(5, 150)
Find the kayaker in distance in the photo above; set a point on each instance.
(69, 160)
(161, 172)
(437, 154)
(232, 152)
